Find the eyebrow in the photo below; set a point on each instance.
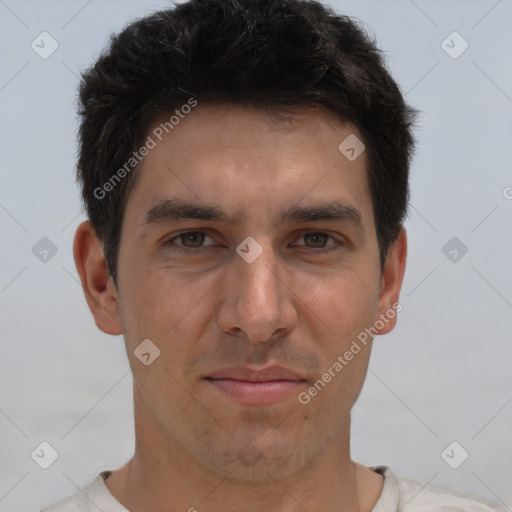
(171, 210)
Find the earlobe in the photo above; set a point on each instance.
(97, 284)
(391, 284)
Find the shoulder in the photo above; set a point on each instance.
(421, 497)
(69, 504)
(91, 498)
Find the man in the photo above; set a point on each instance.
(244, 166)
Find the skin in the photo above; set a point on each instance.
(208, 310)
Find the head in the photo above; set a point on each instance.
(229, 119)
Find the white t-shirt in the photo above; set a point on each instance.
(398, 494)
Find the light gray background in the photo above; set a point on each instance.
(442, 375)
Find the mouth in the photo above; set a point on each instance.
(249, 387)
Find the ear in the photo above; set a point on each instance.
(97, 283)
(391, 282)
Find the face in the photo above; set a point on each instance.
(255, 281)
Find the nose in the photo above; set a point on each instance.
(256, 299)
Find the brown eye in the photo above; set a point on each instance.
(189, 240)
(317, 238)
(195, 238)
(316, 241)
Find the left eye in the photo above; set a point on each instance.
(321, 238)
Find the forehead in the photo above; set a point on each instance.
(250, 163)
(229, 126)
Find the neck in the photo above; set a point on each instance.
(162, 472)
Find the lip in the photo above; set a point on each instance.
(271, 373)
(251, 387)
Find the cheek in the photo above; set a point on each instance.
(171, 310)
(158, 298)
(332, 395)
(346, 302)
(347, 306)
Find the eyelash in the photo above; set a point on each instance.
(318, 250)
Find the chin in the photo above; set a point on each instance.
(263, 462)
